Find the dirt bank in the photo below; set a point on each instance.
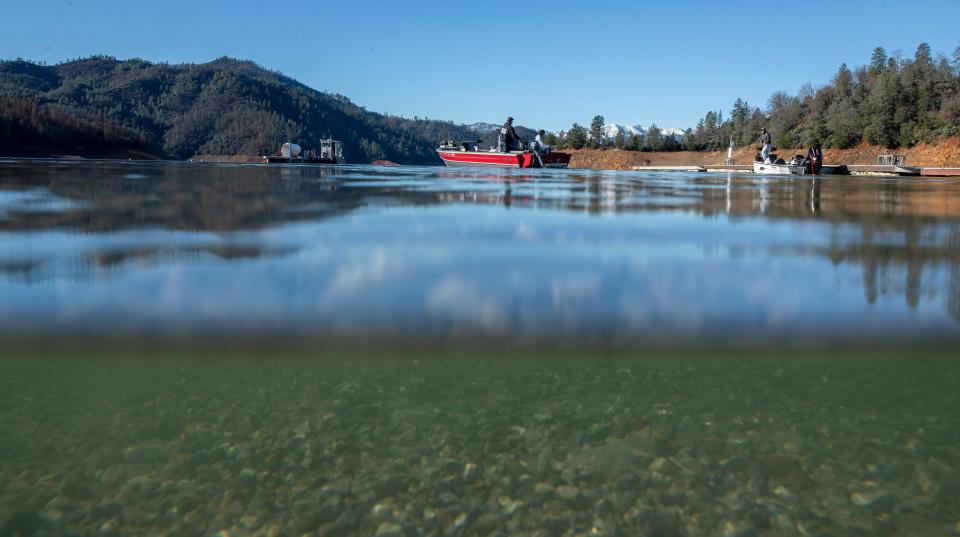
(942, 153)
(231, 159)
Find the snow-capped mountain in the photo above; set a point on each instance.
(676, 133)
(482, 128)
(610, 131)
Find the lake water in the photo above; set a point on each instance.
(198, 349)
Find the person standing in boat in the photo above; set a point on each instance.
(539, 145)
(508, 135)
(765, 139)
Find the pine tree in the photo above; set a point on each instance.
(881, 127)
(923, 57)
(739, 119)
(596, 130)
(843, 82)
(576, 137)
(654, 138)
(618, 141)
(688, 140)
(878, 61)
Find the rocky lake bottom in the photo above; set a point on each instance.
(244, 441)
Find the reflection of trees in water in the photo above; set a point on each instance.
(176, 196)
(906, 229)
(117, 197)
(903, 250)
(953, 292)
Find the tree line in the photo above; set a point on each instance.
(578, 137)
(27, 128)
(893, 102)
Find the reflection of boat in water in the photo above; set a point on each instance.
(798, 165)
(469, 154)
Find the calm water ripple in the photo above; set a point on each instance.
(116, 247)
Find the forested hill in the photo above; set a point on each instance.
(894, 101)
(103, 106)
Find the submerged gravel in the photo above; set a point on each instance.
(450, 444)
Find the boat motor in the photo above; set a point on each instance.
(814, 161)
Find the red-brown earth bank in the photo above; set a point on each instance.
(941, 153)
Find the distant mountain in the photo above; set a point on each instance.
(675, 132)
(482, 128)
(101, 105)
(611, 130)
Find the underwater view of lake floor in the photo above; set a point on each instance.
(249, 350)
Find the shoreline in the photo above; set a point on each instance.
(943, 153)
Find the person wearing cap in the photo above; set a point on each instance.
(765, 139)
(508, 136)
(539, 145)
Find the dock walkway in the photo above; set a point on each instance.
(855, 169)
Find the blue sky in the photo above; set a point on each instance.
(632, 62)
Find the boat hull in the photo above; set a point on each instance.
(793, 169)
(907, 170)
(513, 159)
(777, 169)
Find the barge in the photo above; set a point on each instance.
(331, 152)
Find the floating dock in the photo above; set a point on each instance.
(855, 169)
(274, 159)
(940, 172)
(710, 168)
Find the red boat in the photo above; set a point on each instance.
(469, 154)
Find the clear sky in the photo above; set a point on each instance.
(546, 63)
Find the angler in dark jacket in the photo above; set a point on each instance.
(508, 135)
(766, 140)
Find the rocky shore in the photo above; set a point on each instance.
(448, 443)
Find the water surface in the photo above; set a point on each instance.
(446, 253)
(200, 350)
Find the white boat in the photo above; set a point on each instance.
(798, 165)
(777, 169)
(798, 169)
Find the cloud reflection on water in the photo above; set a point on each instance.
(433, 253)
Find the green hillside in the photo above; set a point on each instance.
(101, 106)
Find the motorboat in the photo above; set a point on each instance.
(798, 165)
(469, 153)
(774, 168)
